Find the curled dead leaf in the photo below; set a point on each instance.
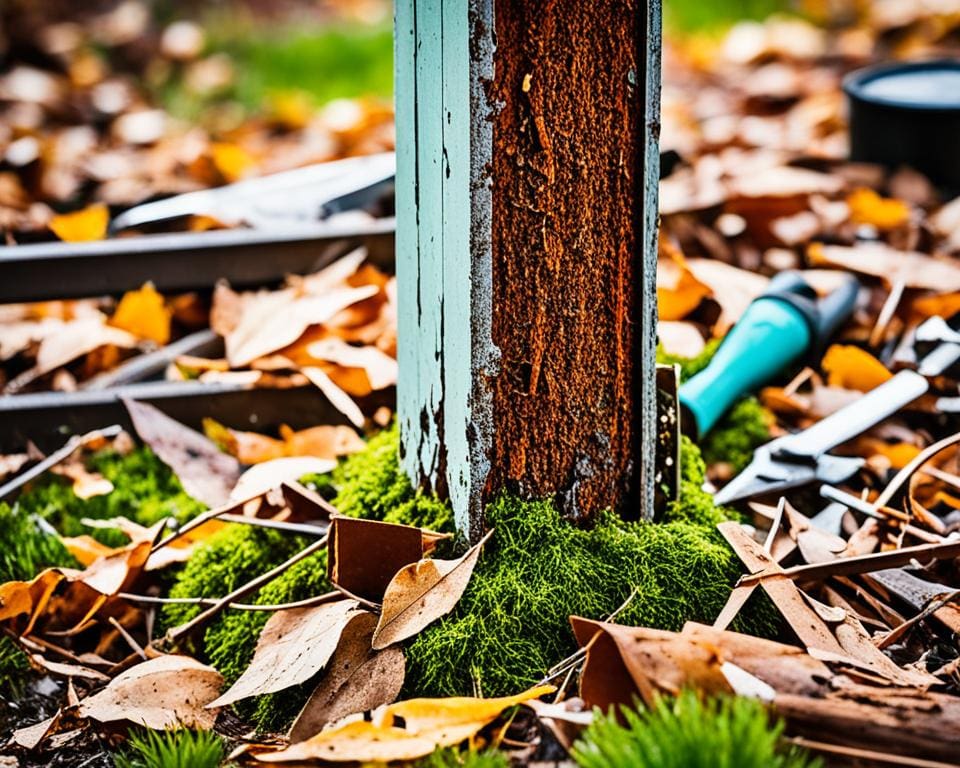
(359, 679)
(421, 593)
(294, 645)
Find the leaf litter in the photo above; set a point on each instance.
(762, 185)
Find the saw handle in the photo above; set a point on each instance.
(856, 418)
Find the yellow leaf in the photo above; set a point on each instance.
(81, 226)
(403, 731)
(292, 109)
(850, 367)
(867, 207)
(232, 161)
(898, 454)
(144, 314)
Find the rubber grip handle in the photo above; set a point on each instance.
(835, 309)
(856, 418)
(771, 334)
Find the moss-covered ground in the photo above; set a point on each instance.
(512, 623)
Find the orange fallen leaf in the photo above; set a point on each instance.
(232, 161)
(81, 226)
(851, 368)
(943, 304)
(867, 207)
(324, 441)
(86, 548)
(144, 314)
(678, 291)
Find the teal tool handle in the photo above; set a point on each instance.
(771, 334)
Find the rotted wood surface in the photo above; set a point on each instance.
(526, 251)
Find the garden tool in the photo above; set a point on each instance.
(947, 351)
(785, 324)
(302, 196)
(801, 458)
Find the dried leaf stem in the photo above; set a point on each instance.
(201, 619)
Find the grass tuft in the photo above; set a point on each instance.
(171, 749)
(688, 732)
(25, 550)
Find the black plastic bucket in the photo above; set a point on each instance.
(908, 114)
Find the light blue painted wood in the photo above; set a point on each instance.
(408, 386)
(438, 282)
(457, 278)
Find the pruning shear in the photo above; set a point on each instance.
(803, 457)
(301, 196)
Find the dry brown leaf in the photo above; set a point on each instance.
(81, 226)
(144, 313)
(264, 477)
(294, 645)
(205, 472)
(325, 441)
(732, 288)
(162, 693)
(381, 369)
(403, 731)
(359, 679)
(12, 463)
(272, 321)
(85, 484)
(75, 339)
(421, 593)
(850, 367)
(247, 447)
(914, 270)
(337, 397)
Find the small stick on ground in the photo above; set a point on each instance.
(309, 602)
(201, 619)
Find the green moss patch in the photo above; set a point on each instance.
(738, 434)
(25, 549)
(145, 491)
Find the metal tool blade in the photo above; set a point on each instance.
(765, 475)
(800, 458)
(305, 194)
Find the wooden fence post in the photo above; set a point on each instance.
(527, 169)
